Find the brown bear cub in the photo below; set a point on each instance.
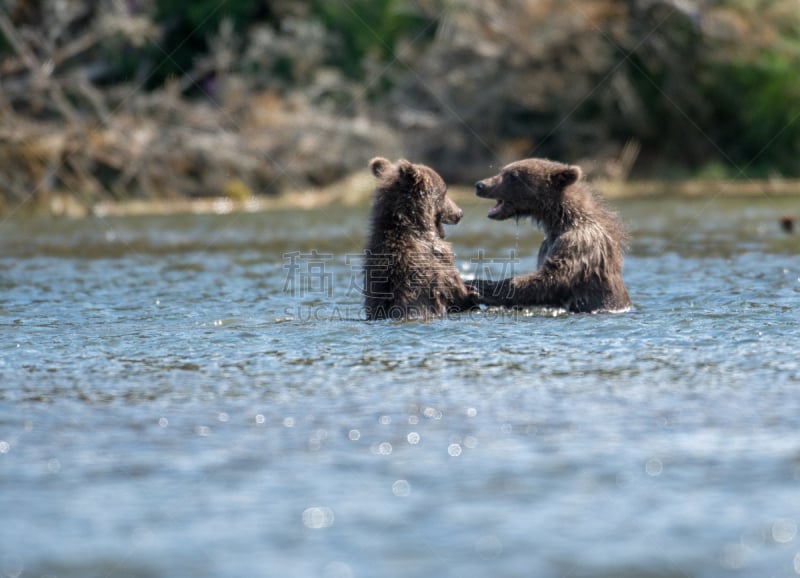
(580, 260)
(409, 271)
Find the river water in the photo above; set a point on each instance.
(198, 396)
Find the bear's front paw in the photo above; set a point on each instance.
(483, 290)
(489, 300)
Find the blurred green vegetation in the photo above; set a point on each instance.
(360, 30)
(730, 102)
(757, 113)
(370, 29)
(187, 29)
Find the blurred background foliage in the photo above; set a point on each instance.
(165, 97)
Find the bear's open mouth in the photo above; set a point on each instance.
(494, 211)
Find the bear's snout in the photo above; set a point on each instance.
(452, 216)
(479, 186)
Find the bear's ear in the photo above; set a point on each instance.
(380, 166)
(567, 176)
(407, 169)
(411, 174)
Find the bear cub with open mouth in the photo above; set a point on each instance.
(580, 260)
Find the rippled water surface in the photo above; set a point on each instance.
(198, 396)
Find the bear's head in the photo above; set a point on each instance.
(528, 188)
(412, 196)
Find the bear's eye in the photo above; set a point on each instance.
(511, 176)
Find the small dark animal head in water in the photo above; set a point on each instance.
(787, 224)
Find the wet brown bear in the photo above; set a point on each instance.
(409, 270)
(580, 260)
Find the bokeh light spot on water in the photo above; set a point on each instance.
(53, 465)
(454, 450)
(223, 417)
(316, 439)
(4, 447)
(413, 420)
(318, 517)
(413, 438)
(401, 488)
(472, 412)
(163, 422)
(202, 430)
(797, 563)
(432, 413)
(653, 467)
(288, 422)
(354, 435)
(385, 420)
(784, 530)
(260, 419)
(382, 449)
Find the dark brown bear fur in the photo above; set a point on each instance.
(409, 271)
(580, 260)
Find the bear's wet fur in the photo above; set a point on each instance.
(580, 260)
(409, 270)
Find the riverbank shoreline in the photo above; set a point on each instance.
(357, 189)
